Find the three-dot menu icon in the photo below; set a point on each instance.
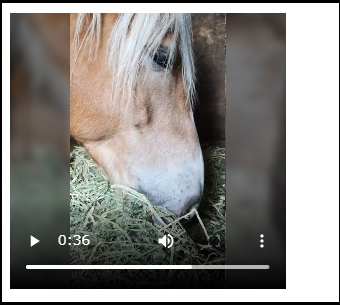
(261, 241)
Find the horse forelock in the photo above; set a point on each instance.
(134, 39)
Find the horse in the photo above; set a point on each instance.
(132, 95)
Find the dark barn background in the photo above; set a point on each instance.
(209, 49)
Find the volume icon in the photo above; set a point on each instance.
(167, 241)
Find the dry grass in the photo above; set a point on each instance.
(124, 227)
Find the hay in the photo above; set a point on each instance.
(124, 227)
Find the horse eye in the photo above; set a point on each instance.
(161, 59)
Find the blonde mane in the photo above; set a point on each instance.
(135, 38)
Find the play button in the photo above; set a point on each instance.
(34, 241)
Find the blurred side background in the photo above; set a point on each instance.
(39, 146)
(255, 118)
(255, 143)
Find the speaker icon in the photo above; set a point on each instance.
(167, 241)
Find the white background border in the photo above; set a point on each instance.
(312, 155)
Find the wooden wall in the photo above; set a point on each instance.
(209, 49)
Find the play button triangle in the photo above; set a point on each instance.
(34, 241)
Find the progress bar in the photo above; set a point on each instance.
(118, 267)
